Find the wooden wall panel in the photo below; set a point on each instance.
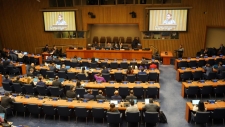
(22, 23)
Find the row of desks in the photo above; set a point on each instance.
(210, 107)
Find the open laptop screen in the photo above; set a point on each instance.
(195, 102)
(2, 115)
(146, 100)
(114, 101)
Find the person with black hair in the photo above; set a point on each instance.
(6, 101)
(135, 43)
(100, 95)
(132, 108)
(56, 82)
(7, 79)
(18, 80)
(40, 82)
(89, 95)
(131, 96)
(46, 49)
(112, 108)
(71, 92)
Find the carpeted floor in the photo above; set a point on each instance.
(170, 100)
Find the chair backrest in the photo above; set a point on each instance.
(143, 77)
(80, 91)
(182, 64)
(49, 109)
(206, 89)
(113, 117)
(85, 63)
(197, 74)
(93, 65)
(202, 117)
(82, 76)
(54, 91)
(152, 91)
(41, 90)
(131, 78)
(74, 64)
(33, 108)
(151, 117)
(133, 117)
(81, 112)
(123, 91)
(211, 62)
(193, 90)
(138, 91)
(220, 89)
(212, 75)
(17, 87)
(71, 75)
(98, 112)
(192, 63)
(6, 86)
(19, 107)
(201, 63)
(50, 74)
(104, 64)
(67, 63)
(118, 76)
(63, 110)
(43, 72)
(29, 89)
(109, 91)
(153, 76)
(218, 113)
(106, 76)
(114, 65)
(62, 74)
(124, 65)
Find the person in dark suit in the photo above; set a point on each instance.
(221, 50)
(16, 70)
(6, 101)
(56, 82)
(46, 49)
(151, 107)
(135, 43)
(131, 96)
(89, 95)
(18, 80)
(100, 95)
(63, 68)
(116, 96)
(93, 60)
(98, 46)
(6, 62)
(220, 69)
(71, 93)
(7, 79)
(40, 82)
(105, 70)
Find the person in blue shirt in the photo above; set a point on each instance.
(89, 95)
(40, 82)
(116, 96)
(7, 79)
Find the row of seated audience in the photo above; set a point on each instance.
(211, 51)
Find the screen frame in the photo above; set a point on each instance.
(187, 18)
(75, 20)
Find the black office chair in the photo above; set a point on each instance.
(26, 59)
(151, 117)
(49, 110)
(81, 112)
(132, 117)
(197, 75)
(34, 109)
(143, 77)
(124, 65)
(106, 76)
(74, 64)
(67, 62)
(220, 89)
(17, 87)
(206, 90)
(192, 63)
(55, 91)
(33, 60)
(138, 91)
(123, 91)
(64, 111)
(201, 63)
(50, 74)
(82, 76)
(109, 91)
(94, 65)
(211, 62)
(104, 64)
(114, 118)
(7, 86)
(152, 91)
(133, 63)
(62, 74)
(192, 90)
(13, 70)
(218, 113)
(131, 78)
(182, 64)
(98, 113)
(19, 107)
(153, 76)
(29, 89)
(218, 60)
(187, 75)
(114, 65)
(212, 75)
(43, 72)
(42, 90)
(80, 92)
(200, 117)
(118, 76)
(71, 75)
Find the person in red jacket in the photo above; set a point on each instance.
(152, 66)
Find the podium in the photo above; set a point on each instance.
(178, 53)
(166, 56)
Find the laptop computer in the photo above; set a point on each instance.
(58, 66)
(115, 102)
(146, 100)
(24, 53)
(195, 102)
(67, 67)
(2, 115)
(96, 59)
(212, 101)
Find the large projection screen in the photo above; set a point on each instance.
(59, 21)
(168, 20)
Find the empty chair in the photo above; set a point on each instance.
(55, 91)
(124, 65)
(93, 65)
(222, 75)
(71, 75)
(33, 60)
(201, 63)
(152, 91)
(133, 63)
(197, 75)
(211, 62)
(151, 117)
(115, 39)
(192, 90)
(114, 65)
(64, 111)
(17, 87)
(34, 109)
(13, 70)
(103, 63)
(123, 91)
(192, 63)
(29, 89)
(211, 75)
(42, 90)
(6, 86)
(143, 77)
(50, 74)
(131, 78)
(109, 91)
(152, 76)
(106, 76)
(49, 110)
(26, 59)
(108, 39)
(218, 113)
(206, 90)
(201, 117)
(114, 118)
(81, 76)
(67, 62)
(132, 117)
(74, 64)
(129, 40)
(19, 107)
(118, 76)
(43, 72)
(81, 112)
(187, 75)
(98, 113)
(80, 92)
(220, 89)
(103, 39)
(62, 74)
(85, 63)
(182, 64)
(138, 91)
